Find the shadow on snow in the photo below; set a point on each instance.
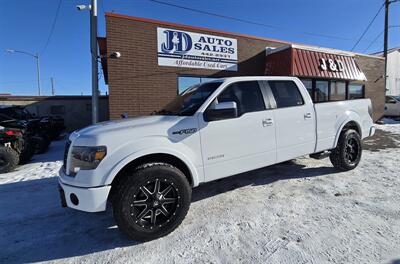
(33, 226)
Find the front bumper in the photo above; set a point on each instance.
(84, 199)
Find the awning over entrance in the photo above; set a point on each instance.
(310, 62)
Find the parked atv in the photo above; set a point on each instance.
(9, 143)
(34, 136)
(49, 126)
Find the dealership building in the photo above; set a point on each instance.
(160, 59)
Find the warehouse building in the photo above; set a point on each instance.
(393, 71)
(160, 59)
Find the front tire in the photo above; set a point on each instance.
(152, 201)
(347, 153)
(9, 159)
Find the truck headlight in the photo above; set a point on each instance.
(86, 158)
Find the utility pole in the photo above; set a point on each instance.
(94, 56)
(38, 72)
(95, 69)
(385, 40)
(52, 86)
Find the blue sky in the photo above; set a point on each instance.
(25, 25)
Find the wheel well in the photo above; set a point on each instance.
(352, 125)
(164, 158)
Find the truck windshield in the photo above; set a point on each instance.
(187, 103)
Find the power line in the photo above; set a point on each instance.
(52, 27)
(377, 37)
(369, 25)
(246, 21)
(372, 42)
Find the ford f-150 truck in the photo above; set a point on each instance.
(147, 166)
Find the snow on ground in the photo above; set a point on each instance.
(42, 165)
(302, 211)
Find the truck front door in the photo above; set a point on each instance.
(243, 143)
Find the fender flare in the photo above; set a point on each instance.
(144, 152)
(349, 116)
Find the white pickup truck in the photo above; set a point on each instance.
(147, 166)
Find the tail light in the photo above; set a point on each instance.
(13, 133)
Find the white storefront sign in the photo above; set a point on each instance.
(193, 50)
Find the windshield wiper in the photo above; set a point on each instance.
(163, 112)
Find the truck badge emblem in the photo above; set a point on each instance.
(185, 131)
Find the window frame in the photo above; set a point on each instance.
(265, 99)
(347, 82)
(348, 91)
(272, 97)
(54, 109)
(345, 90)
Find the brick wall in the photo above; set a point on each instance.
(77, 109)
(138, 86)
(373, 69)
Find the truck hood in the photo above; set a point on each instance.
(127, 129)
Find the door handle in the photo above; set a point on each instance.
(267, 122)
(307, 116)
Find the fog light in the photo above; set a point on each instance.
(74, 199)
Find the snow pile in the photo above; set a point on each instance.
(302, 211)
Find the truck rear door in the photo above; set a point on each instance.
(294, 117)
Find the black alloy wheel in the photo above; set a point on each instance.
(151, 201)
(351, 150)
(348, 151)
(155, 203)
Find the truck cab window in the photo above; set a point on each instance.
(247, 95)
(286, 93)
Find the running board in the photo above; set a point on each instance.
(320, 155)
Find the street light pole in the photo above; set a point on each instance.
(36, 56)
(95, 69)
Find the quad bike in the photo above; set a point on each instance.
(37, 139)
(10, 149)
(48, 127)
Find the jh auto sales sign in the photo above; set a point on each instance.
(193, 50)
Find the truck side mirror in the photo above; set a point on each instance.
(220, 111)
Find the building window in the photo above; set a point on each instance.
(308, 83)
(247, 95)
(356, 91)
(57, 109)
(286, 93)
(322, 91)
(338, 91)
(184, 82)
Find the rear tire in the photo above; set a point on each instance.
(9, 159)
(27, 152)
(151, 201)
(347, 153)
(41, 144)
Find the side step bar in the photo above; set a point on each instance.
(320, 155)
